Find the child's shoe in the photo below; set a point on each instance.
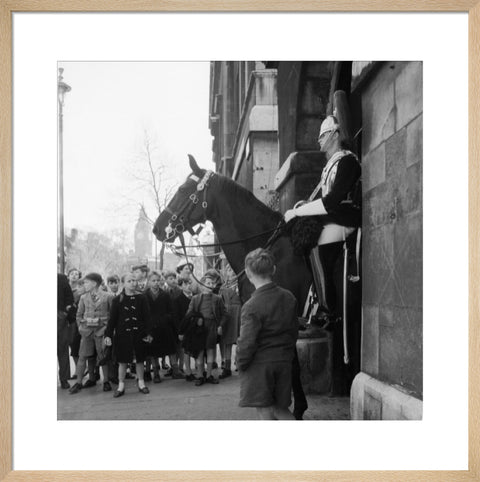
(226, 372)
(212, 380)
(118, 393)
(200, 381)
(107, 387)
(75, 389)
(144, 389)
(190, 378)
(89, 383)
(157, 379)
(177, 374)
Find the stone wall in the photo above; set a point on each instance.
(392, 341)
(265, 156)
(298, 177)
(303, 97)
(255, 152)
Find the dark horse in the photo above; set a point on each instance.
(236, 214)
(243, 223)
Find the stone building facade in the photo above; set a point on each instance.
(265, 118)
(391, 383)
(243, 121)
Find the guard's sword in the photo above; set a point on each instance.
(346, 359)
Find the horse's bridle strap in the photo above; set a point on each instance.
(190, 202)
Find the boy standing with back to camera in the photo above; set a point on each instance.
(266, 346)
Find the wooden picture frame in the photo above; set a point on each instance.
(8, 7)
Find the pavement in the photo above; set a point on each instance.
(180, 400)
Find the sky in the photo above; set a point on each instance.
(106, 114)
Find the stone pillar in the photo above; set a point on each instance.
(314, 348)
(298, 177)
(392, 150)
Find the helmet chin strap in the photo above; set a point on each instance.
(328, 139)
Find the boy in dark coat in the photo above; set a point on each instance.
(64, 301)
(163, 330)
(180, 305)
(130, 327)
(266, 346)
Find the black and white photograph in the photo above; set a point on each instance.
(240, 240)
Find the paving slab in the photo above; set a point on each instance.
(180, 400)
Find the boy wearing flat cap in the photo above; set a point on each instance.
(184, 271)
(140, 271)
(92, 318)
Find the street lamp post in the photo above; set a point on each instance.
(63, 88)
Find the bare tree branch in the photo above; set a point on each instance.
(144, 212)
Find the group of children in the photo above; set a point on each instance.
(148, 319)
(152, 317)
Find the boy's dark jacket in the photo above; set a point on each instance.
(64, 293)
(269, 327)
(117, 322)
(161, 309)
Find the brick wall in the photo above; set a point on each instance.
(392, 342)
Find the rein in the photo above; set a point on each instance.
(228, 243)
(273, 238)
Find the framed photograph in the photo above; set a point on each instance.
(149, 150)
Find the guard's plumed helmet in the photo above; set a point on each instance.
(329, 124)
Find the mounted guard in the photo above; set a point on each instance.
(328, 223)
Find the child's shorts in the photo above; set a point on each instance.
(89, 344)
(266, 384)
(211, 330)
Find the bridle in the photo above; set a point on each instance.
(175, 228)
(176, 223)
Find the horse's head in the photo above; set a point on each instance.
(187, 207)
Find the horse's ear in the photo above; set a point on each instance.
(194, 166)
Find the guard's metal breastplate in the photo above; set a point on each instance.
(329, 172)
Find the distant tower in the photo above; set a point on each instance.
(143, 236)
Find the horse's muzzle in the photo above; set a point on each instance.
(158, 232)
